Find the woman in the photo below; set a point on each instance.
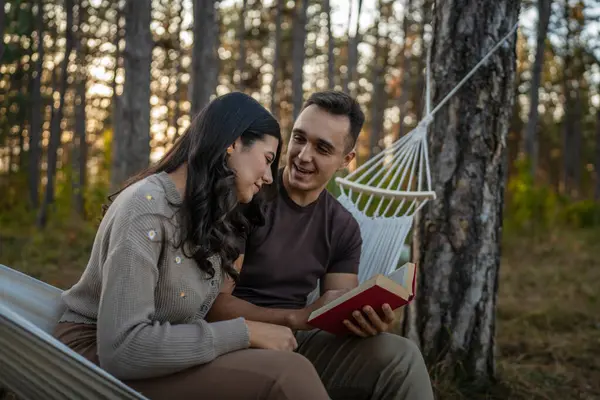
(162, 251)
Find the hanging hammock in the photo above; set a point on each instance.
(386, 192)
(383, 194)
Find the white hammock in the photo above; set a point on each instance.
(33, 364)
(385, 193)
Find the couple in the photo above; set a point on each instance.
(197, 282)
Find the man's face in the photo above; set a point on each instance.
(317, 148)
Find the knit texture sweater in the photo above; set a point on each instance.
(147, 299)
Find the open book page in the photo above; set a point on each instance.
(402, 276)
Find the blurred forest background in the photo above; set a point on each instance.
(85, 102)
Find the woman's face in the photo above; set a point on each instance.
(252, 166)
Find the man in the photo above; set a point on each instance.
(311, 238)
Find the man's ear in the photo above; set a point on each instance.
(348, 159)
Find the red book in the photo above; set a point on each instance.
(396, 289)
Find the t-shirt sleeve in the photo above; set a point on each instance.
(346, 254)
(132, 343)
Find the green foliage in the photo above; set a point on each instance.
(529, 205)
(581, 214)
(332, 186)
(537, 207)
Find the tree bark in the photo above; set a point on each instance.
(298, 42)
(352, 50)
(56, 120)
(531, 144)
(117, 138)
(378, 78)
(80, 142)
(80, 161)
(205, 66)
(131, 152)
(458, 235)
(597, 191)
(330, 47)
(178, 71)
(241, 39)
(276, 57)
(577, 139)
(2, 19)
(37, 113)
(405, 62)
(419, 83)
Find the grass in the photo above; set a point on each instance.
(549, 316)
(548, 332)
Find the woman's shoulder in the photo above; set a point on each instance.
(155, 194)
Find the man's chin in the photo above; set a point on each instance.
(304, 185)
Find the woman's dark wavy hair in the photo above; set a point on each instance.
(211, 218)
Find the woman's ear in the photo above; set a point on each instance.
(237, 143)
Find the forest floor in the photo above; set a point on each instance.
(548, 331)
(548, 327)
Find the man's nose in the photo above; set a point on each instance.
(305, 154)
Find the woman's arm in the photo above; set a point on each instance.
(131, 344)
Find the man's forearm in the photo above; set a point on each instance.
(227, 306)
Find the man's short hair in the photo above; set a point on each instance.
(340, 103)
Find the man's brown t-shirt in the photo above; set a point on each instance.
(285, 258)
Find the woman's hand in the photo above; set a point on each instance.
(271, 336)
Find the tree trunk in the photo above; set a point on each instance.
(419, 82)
(131, 152)
(379, 95)
(531, 144)
(576, 142)
(178, 72)
(568, 73)
(205, 66)
(330, 47)
(405, 61)
(80, 142)
(80, 161)
(37, 113)
(55, 124)
(298, 42)
(2, 16)
(597, 191)
(241, 39)
(353, 51)
(276, 57)
(567, 128)
(117, 137)
(458, 235)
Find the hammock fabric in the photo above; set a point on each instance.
(33, 364)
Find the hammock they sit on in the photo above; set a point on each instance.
(383, 194)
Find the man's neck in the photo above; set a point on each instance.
(300, 197)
